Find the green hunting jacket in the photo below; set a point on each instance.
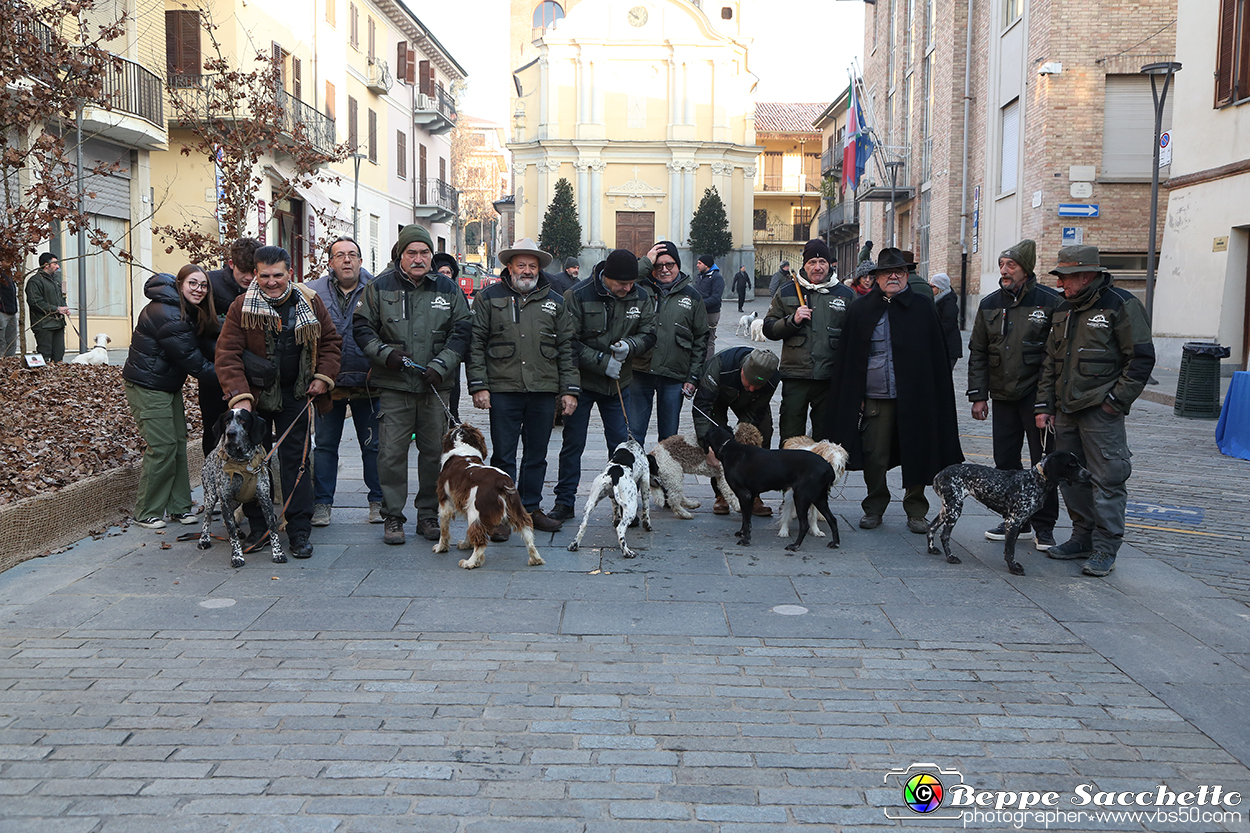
(44, 296)
(681, 329)
(601, 319)
(1008, 342)
(808, 348)
(521, 343)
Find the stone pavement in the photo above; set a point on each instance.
(702, 687)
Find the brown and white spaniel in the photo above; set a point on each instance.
(485, 495)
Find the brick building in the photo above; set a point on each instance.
(1057, 113)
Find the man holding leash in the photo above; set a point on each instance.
(521, 369)
(410, 315)
(1086, 400)
(612, 321)
(277, 350)
(1004, 364)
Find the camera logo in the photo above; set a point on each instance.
(921, 788)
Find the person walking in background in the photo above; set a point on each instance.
(780, 278)
(948, 315)
(711, 285)
(1005, 355)
(340, 290)
(742, 283)
(672, 368)
(164, 349)
(563, 281)
(48, 312)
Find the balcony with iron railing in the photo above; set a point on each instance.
(436, 201)
(435, 111)
(839, 217)
(831, 162)
(201, 97)
(782, 233)
(788, 183)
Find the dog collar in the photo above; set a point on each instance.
(1038, 469)
(722, 446)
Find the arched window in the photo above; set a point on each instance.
(547, 13)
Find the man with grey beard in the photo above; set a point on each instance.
(520, 362)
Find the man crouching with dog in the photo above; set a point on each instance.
(278, 349)
(892, 397)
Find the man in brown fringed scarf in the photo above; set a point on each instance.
(293, 356)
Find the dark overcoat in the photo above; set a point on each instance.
(928, 431)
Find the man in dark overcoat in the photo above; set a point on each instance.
(891, 398)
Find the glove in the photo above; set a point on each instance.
(620, 351)
(431, 377)
(614, 368)
(395, 359)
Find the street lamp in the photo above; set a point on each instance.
(1166, 69)
(893, 165)
(356, 157)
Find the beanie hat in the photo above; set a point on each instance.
(570, 262)
(443, 259)
(409, 234)
(817, 248)
(760, 365)
(707, 260)
(941, 281)
(621, 265)
(670, 249)
(1024, 253)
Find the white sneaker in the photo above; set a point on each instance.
(150, 523)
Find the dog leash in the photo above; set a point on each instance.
(620, 397)
(451, 418)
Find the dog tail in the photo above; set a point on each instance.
(514, 512)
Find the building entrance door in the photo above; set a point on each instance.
(635, 230)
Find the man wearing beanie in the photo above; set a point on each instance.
(809, 325)
(563, 281)
(612, 320)
(711, 285)
(411, 312)
(1004, 364)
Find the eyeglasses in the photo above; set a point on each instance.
(197, 285)
(667, 266)
(885, 273)
(346, 256)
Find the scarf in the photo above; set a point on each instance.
(259, 313)
(822, 288)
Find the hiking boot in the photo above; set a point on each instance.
(300, 548)
(1101, 564)
(560, 512)
(759, 510)
(1043, 539)
(870, 522)
(918, 525)
(255, 540)
(545, 523)
(393, 532)
(150, 523)
(321, 515)
(999, 533)
(1070, 550)
(720, 507)
(427, 528)
(500, 533)
(375, 513)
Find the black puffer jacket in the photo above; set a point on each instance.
(164, 348)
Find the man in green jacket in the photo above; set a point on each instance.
(520, 362)
(48, 312)
(1098, 359)
(612, 320)
(412, 313)
(809, 327)
(1004, 362)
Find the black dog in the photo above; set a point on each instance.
(1015, 495)
(751, 471)
(235, 472)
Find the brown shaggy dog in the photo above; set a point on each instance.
(485, 495)
(680, 455)
(835, 456)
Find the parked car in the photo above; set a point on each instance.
(477, 273)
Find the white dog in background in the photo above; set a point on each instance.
(745, 322)
(757, 330)
(98, 354)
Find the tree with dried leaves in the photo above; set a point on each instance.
(50, 65)
(237, 118)
(475, 174)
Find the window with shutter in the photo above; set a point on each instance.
(401, 154)
(353, 25)
(182, 47)
(425, 74)
(442, 170)
(373, 40)
(353, 137)
(373, 136)
(1232, 60)
(1128, 133)
(1009, 155)
(297, 83)
(330, 100)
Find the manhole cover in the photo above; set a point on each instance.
(213, 604)
(790, 610)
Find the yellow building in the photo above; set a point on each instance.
(365, 72)
(641, 105)
(787, 182)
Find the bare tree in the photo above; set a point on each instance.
(474, 175)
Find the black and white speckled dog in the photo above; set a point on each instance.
(624, 481)
(1015, 495)
(235, 472)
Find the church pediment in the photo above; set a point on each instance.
(635, 193)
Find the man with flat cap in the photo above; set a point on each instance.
(613, 319)
(892, 401)
(1098, 359)
(521, 369)
(742, 380)
(412, 312)
(1005, 356)
(806, 315)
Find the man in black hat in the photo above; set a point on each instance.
(806, 315)
(613, 319)
(564, 280)
(892, 401)
(779, 278)
(711, 285)
(1086, 400)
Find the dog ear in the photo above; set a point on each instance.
(220, 427)
(259, 429)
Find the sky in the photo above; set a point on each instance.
(800, 52)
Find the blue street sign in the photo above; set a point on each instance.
(1070, 209)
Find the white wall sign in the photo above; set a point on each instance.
(1082, 190)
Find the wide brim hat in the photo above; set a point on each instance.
(891, 258)
(525, 246)
(1073, 259)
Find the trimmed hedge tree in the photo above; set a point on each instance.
(561, 235)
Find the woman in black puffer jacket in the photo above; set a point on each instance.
(164, 349)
